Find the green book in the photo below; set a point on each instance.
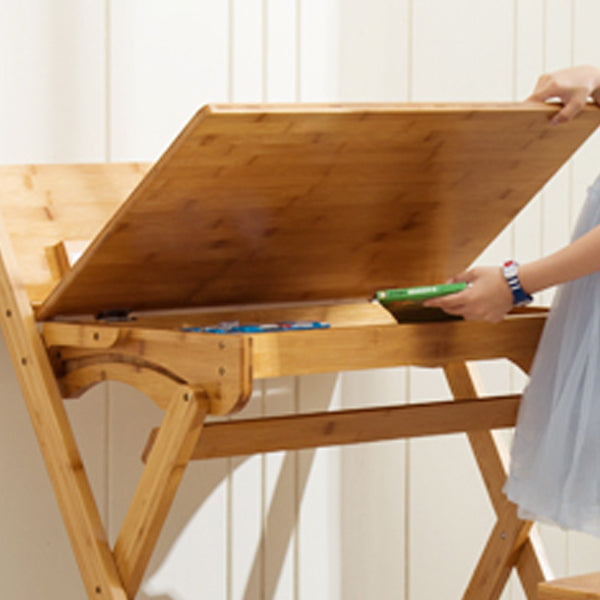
(418, 294)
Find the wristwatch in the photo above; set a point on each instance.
(520, 296)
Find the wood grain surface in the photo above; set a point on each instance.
(580, 587)
(45, 205)
(295, 203)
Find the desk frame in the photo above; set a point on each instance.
(67, 358)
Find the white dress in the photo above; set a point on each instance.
(555, 461)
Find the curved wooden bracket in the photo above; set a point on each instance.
(152, 361)
(159, 387)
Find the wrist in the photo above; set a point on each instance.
(529, 277)
(511, 274)
(595, 78)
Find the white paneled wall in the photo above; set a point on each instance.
(95, 80)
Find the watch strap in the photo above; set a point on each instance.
(520, 296)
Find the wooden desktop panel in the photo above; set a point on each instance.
(278, 205)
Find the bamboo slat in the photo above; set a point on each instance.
(351, 427)
(54, 433)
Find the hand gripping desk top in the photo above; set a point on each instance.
(266, 213)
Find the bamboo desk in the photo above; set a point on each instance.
(269, 213)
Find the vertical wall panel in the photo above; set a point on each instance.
(318, 499)
(191, 558)
(52, 89)
(374, 48)
(247, 51)
(373, 507)
(281, 45)
(558, 33)
(529, 64)
(167, 60)
(281, 500)
(319, 76)
(462, 50)
(529, 46)
(53, 74)
(556, 217)
(585, 51)
(247, 551)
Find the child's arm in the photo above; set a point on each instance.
(489, 298)
(580, 258)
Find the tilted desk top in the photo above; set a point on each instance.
(258, 204)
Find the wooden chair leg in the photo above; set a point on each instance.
(176, 440)
(529, 561)
(54, 434)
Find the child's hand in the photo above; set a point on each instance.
(488, 297)
(572, 86)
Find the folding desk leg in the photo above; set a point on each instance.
(54, 434)
(531, 565)
(499, 556)
(175, 443)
